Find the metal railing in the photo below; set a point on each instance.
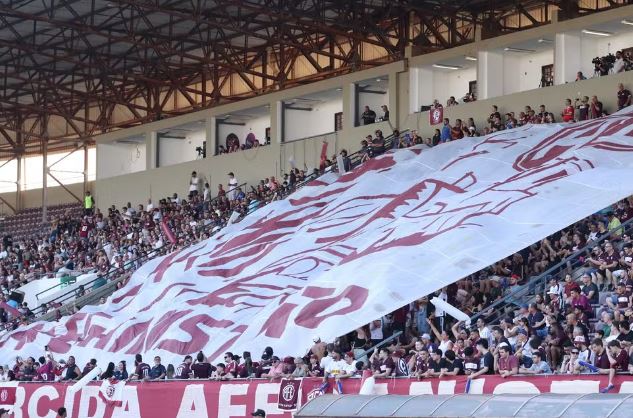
(492, 312)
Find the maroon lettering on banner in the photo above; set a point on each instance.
(288, 394)
(311, 314)
(238, 398)
(198, 338)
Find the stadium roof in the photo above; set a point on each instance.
(528, 406)
(75, 68)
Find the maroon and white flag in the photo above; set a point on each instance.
(436, 115)
(288, 394)
(111, 391)
(347, 249)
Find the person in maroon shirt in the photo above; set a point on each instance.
(201, 368)
(142, 369)
(184, 370)
(46, 372)
(579, 300)
(610, 259)
(618, 362)
(601, 358)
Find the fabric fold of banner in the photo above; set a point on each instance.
(346, 249)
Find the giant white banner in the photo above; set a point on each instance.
(346, 250)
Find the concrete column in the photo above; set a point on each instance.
(426, 87)
(489, 74)
(18, 190)
(211, 136)
(350, 107)
(85, 168)
(394, 84)
(566, 58)
(151, 150)
(414, 90)
(276, 122)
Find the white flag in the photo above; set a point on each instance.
(111, 391)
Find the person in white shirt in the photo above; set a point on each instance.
(350, 365)
(336, 367)
(194, 184)
(619, 64)
(233, 185)
(375, 331)
(150, 206)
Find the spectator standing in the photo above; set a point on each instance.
(385, 110)
(624, 97)
(446, 131)
(568, 111)
(456, 131)
(368, 116)
(583, 108)
(194, 185)
(595, 108)
(619, 64)
(451, 102)
(89, 203)
(580, 76)
(233, 185)
(157, 372)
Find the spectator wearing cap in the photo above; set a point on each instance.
(506, 364)
(258, 413)
(61, 413)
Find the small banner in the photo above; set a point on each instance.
(7, 394)
(164, 226)
(436, 115)
(111, 391)
(288, 394)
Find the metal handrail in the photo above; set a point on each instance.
(538, 280)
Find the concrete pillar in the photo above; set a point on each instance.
(211, 134)
(489, 74)
(426, 87)
(393, 100)
(151, 150)
(414, 95)
(350, 108)
(18, 190)
(276, 122)
(566, 58)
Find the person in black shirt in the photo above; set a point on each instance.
(486, 360)
(435, 364)
(368, 116)
(450, 365)
(589, 289)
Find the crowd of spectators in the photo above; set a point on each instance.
(581, 109)
(117, 242)
(233, 143)
(578, 322)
